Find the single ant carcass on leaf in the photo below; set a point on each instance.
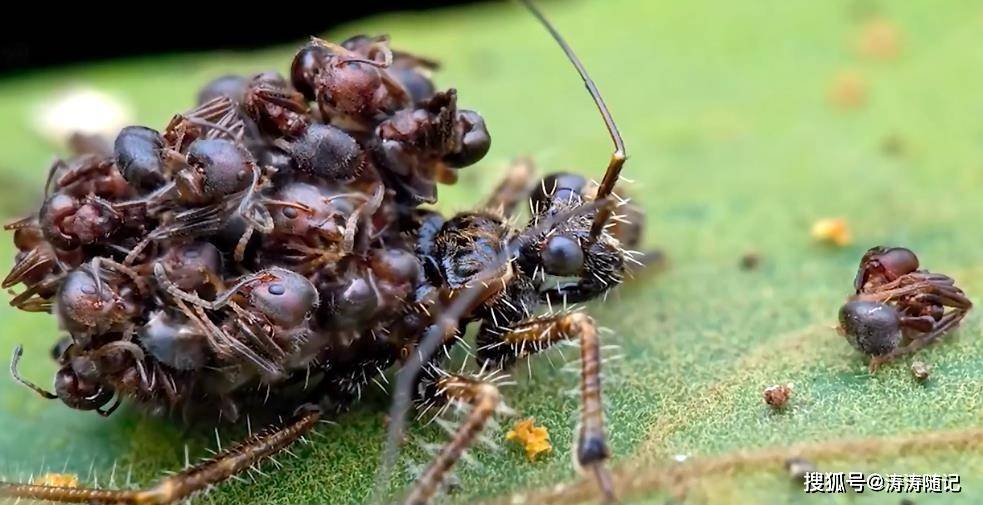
(897, 308)
(270, 243)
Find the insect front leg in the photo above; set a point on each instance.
(506, 345)
(483, 399)
(217, 469)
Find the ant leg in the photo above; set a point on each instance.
(484, 400)
(108, 412)
(538, 334)
(14, 361)
(31, 261)
(513, 189)
(160, 273)
(948, 322)
(28, 300)
(223, 466)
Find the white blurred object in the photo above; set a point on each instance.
(85, 111)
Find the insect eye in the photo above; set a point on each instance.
(276, 289)
(563, 256)
(289, 212)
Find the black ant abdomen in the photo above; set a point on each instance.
(138, 157)
(873, 328)
(231, 86)
(174, 342)
(326, 151)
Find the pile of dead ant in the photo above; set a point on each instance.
(271, 242)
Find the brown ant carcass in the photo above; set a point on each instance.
(897, 308)
(270, 243)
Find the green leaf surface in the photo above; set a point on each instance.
(734, 148)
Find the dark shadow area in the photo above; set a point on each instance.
(39, 40)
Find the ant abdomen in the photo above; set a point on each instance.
(138, 156)
(174, 342)
(557, 187)
(193, 265)
(326, 151)
(231, 86)
(871, 327)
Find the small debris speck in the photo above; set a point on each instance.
(832, 231)
(798, 468)
(848, 90)
(750, 261)
(534, 439)
(879, 39)
(57, 479)
(920, 371)
(777, 396)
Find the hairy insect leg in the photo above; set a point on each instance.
(534, 335)
(513, 189)
(948, 322)
(484, 400)
(223, 466)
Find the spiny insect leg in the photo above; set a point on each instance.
(536, 334)
(223, 466)
(484, 399)
(513, 189)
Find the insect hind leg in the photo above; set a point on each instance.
(591, 451)
(223, 466)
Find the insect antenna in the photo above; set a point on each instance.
(14, 362)
(619, 155)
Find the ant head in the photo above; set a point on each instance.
(193, 264)
(881, 265)
(83, 301)
(53, 216)
(284, 296)
(79, 392)
(307, 64)
(310, 211)
(872, 327)
(217, 168)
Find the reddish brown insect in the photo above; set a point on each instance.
(262, 246)
(898, 308)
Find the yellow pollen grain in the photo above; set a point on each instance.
(534, 439)
(832, 231)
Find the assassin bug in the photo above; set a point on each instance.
(333, 272)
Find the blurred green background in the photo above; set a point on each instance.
(746, 122)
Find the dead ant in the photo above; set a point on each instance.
(897, 308)
(349, 275)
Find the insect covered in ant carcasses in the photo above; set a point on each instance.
(271, 243)
(898, 308)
